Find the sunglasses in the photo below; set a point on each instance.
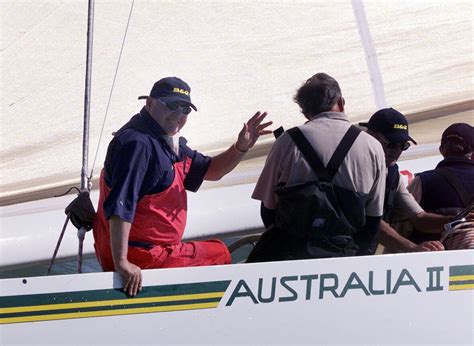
(175, 106)
(390, 145)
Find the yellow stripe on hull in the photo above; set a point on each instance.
(104, 313)
(461, 287)
(461, 278)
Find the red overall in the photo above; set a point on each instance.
(159, 224)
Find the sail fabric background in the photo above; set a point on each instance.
(237, 56)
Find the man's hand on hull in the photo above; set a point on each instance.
(132, 277)
(432, 245)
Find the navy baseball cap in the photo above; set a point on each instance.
(459, 133)
(171, 89)
(391, 124)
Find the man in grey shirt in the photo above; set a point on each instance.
(362, 170)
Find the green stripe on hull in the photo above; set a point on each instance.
(461, 270)
(464, 282)
(98, 303)
(111, 294)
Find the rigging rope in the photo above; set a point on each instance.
(110, 95)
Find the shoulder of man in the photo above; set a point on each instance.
(131, 134)
(371, 141)
(183, 141)
(282, 141)
(366, 144)
(128, 142)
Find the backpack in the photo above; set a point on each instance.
(316, 219)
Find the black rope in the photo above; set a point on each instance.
(65, 193)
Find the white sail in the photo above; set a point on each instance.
(237, 56)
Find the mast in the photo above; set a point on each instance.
(82, 201)
(87, 94)
(85, 188)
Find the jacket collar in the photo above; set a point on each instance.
(151, 125)
(331, 115)
(456, 161)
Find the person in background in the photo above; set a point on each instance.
(390, 128)
(142, 208)
(449, 187)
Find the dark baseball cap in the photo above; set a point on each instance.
(171, 89)
(460, 133)
(391, 124)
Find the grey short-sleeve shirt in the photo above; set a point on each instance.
(363, 169)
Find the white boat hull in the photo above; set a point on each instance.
(392, 299)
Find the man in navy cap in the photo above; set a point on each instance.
(142, 208)
(390, 127)
(449, 187)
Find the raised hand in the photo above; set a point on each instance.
(251, 131)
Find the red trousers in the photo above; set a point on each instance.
(196, 253)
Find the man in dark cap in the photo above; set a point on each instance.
(390, 127)
(449, 188)
(142, 208)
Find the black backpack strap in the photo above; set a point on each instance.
(342, 150)
(456, 185)
(277, 133)
(324, 173)
(309, 154)
(391, 184)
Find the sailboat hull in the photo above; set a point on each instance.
(397, 299)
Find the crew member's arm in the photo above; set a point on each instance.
(267, 215)
(225, 162)
(365, 238)
(405, 208)
(415, 187)
(126, 176)
(429, 222)
(131, 274)
(280, 159)
(391, 239)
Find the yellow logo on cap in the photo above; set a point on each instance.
(400, 127)
(181, 91)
